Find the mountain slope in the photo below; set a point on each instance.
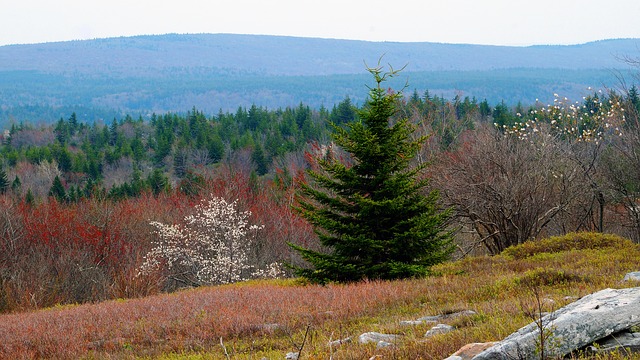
(278, 55)
(103, 78)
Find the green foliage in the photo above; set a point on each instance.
(547, 277)
(57, 190)
(571, 241)
(344, 113)
(259, 160)
(158, 182)
(372, 215)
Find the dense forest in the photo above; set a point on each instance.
(78, 197)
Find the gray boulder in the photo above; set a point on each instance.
(574, 326)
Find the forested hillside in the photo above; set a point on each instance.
(79, 198)
(107, 78)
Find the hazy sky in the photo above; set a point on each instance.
(496, 22)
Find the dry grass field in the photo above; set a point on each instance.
(267, 319)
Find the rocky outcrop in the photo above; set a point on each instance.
(573, 327)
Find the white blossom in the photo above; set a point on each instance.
(211, 247)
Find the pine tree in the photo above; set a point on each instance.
(29, 198)
(57, 190)
(16, 185)
(4, 181)
(373, 216)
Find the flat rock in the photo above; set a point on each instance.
(383, 344)
(439, 329)
(375, 337)
(411, 322)
(336, 343)
(574, 326)
(436, 318)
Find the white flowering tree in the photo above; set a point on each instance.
(538, 176)
(210, 247)
(586, 129)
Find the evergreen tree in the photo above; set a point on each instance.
(259, 160)
(216, 149)
(29, 198)
(485, 109)
(344, 113)
(57, 190)
(158, 182)
(16, 185)
(4, 181)
(372, 216)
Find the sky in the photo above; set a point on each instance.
(487, 22)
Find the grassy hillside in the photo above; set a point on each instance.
(270, 318)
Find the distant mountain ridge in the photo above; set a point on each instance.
(281, 55)
(103, 78)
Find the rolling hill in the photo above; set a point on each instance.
(104, 78)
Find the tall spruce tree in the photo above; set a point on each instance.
(373, 216)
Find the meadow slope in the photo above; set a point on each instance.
(260, 319)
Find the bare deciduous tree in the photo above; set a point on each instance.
(507, 190)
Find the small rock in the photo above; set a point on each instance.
(439, 329)
(411, 322)
(432, 319)
(383, 344)
(292, 356)
(468, 351)
(632, 276)
(437, 318)
(336, 343)
(376, 337)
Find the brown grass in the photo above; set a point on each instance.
(269, 318)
